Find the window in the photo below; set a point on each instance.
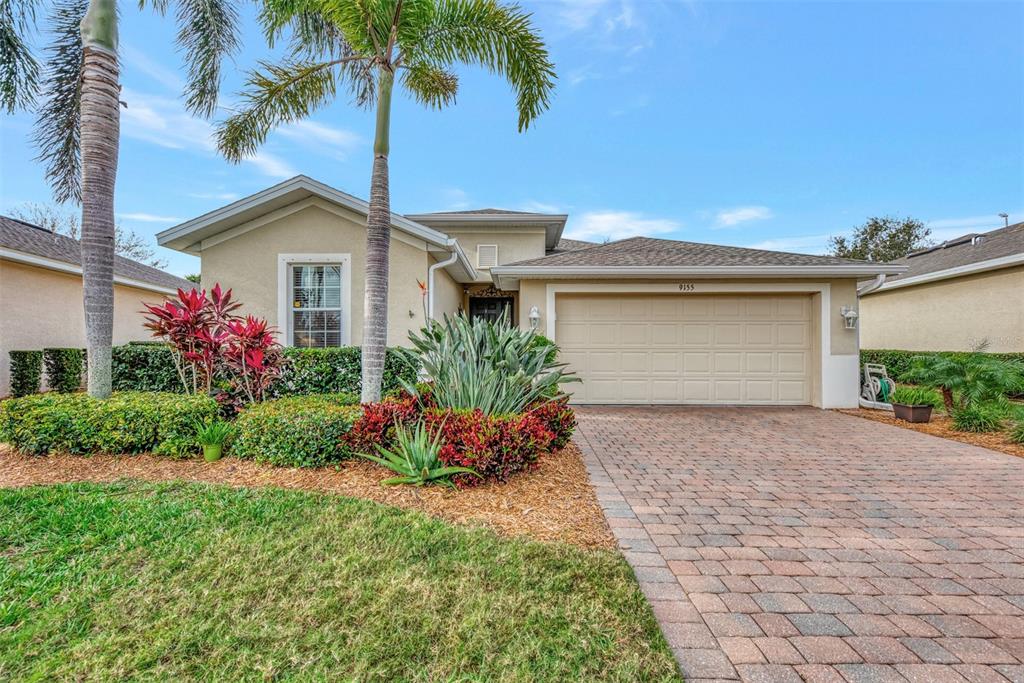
(486, 255)
(316, 305)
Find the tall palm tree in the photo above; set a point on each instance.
(78, 121)
(364, 45)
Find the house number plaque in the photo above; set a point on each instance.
(687, 287)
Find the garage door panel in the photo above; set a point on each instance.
(687, 348)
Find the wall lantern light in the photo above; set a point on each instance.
(534, 317)
(849, 317)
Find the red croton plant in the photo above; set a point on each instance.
(209, 341)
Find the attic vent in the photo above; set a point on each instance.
(486, 255)
(978, 239)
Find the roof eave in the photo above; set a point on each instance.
(955, 272)
(75, 269)
(553, 223)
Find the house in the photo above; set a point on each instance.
(952, 296)
(640, 320)
(41, 293)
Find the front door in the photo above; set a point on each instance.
(490, 308)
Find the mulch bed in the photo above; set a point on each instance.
(555, 502)
(941, 426)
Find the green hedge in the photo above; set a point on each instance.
(127, 422)
(297, 431)
(26, 372)
(328, 371)
(64, 369)
(897, 362)
(144, 367)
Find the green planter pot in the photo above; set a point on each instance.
(212, 452)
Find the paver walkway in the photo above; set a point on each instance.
(783, 544)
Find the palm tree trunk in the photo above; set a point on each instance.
(378, 242)
(947, 400)
(100, 130)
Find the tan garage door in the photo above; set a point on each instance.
(687, 348)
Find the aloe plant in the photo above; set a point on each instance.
(416, 458)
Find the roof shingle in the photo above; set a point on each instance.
(31, 239)
(964, 251)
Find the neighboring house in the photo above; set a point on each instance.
(41, 293)
(952, 297)
(640, 320)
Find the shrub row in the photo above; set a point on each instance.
(897, 362)
(127, 422)
(26, 372)
(64, 368)
(298, 431)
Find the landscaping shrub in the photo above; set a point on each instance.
(980, 417)
(64, 369)
(26, 372)
(325, 371)
(898, 363)
(377, 421)
(127, 422)
(416, 458)
(916, 396)
(144, 366)
(1017, 432)
(559, 419)
(968, 379)
(297, 431)
(494, 446)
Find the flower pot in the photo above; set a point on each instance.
(912, 413)
(212, 452)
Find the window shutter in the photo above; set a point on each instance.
(486, 255)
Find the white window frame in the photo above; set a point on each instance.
(284, 317)
(491, 246)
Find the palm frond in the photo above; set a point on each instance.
(430, 85)
(58, 120)
(19, 69)
(208, 31)
(485, 33)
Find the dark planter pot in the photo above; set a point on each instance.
(912, 413)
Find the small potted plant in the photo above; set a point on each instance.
(914, 404)
(212, 438)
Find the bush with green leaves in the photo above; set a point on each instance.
(327, 371)
(127, 422)
(416, 458)
(979, 417)
(145, 366)
(26, 372)
(969, 379)
(898, 362)
(1017, 431)
(64, 368)
(916, 396)
(478, 365)
(297, 431)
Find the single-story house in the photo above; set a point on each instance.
(640, 320)
(41, 293)
(952, 296)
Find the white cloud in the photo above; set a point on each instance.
(134, 59)
(948, 228)
(272, 165)
(319, 135)
(804, 244)
(616, 225)
(219, 196)
(149, 218)
(727, 218)
(455, 199)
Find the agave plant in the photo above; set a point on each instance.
(416, 458)
(494, 367)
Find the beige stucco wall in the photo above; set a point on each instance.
(448, 294)
(948, 315)
(43, 308)
(248, 263)
(516, 244)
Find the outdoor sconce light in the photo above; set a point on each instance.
(534, 317)
(849, 317)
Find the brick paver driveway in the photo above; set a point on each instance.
(780, 544)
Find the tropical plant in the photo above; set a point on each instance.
(492, 367)
(979, 417)
(968, 379)
(916, 396)
(215, 433)
(415, 458)
(78, 121)
(364, 45)
(1017, 431)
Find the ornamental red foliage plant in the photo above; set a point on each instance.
(376, 426)
(558, 417)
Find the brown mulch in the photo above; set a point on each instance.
(941, 425)
(555, 502)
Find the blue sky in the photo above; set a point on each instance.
(755, 124)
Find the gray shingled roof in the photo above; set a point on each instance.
(649, 251)
(482, 212)
(963, 251)
(32, 239)
(571, 245)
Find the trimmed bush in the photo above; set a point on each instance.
(376, 423)
(298, 431)
(145, 366)
(981, 417)
(494, 446)
(64, 369)
(898, 363)
(127, 422)
(328, 371)
(559, 419)
(26, 372)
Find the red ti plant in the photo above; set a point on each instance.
(252, 357)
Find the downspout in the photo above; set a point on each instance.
(867, 289)
(430, 281)
(873, 285)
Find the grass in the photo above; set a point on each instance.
(190, 581)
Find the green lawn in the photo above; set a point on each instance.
(183, 581)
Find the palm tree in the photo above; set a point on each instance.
(967, 379)
(364, 45)
(78, 122)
